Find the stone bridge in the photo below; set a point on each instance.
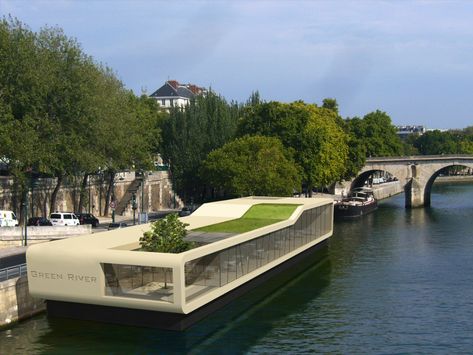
(416, 174)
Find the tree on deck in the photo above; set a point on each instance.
(166, 236)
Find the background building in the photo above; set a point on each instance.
(172, 94)
(404, 131)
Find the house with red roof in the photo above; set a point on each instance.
(174, 94)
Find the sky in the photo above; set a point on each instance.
(411, 59)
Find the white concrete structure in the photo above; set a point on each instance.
(107, 269)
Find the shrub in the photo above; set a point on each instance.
(166, 236)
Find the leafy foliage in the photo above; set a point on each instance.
(62, 114)
(436, 142)
(166, 236)
(189, 134)
(331, 104)
(376, 132)
(252, 165)
(312, 133)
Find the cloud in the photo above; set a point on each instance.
(365, 53)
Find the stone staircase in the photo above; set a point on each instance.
(126, 199)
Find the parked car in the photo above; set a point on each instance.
(64, 219)
(87, 218)
(8, 219)
(185, 211)
(39, 221)
(117, 225)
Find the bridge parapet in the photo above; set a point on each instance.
(414, 158)
(416, 174)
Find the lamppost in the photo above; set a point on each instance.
(25, 218)
(33, 185)
(143, 213)
(90, 192)
(173, 187)
(133, 206)
(142, 193)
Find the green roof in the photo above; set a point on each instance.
(257, 216)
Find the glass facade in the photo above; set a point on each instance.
(135, 281)
(216, 270)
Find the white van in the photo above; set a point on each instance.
(8, 219)
(64, 219)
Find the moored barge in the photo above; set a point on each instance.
(360, 201)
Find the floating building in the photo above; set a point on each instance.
(237, 243)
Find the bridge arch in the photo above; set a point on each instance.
(430, 180)
(416, 174)
(368, 177)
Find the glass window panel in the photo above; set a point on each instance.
(136, 281)
(272, 247)
(207, 273)
(305, 236)
(319, 221)
(310, 226)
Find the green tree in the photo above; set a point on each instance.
(437, 142)
(330, 104)
(189, 134)
(325, 152)
(252, 165)
(377, 133)
(312, 133)
(466, 147)
(409, 148)
(468, 131)
(356, 152)
(63, 115)
(22, 92)
(166, 236)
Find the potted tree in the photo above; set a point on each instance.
(166, 236)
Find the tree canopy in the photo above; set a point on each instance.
(63, 114)
(437, 142)
(189, 134)
(166, 236)
(377, 134)
(252, 165)
(312, 133)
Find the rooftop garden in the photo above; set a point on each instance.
(257, 216)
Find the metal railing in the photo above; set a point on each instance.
(12, 272)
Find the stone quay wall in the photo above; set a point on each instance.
(157, 194)
(387, 190)
(13, 236)
(16, 303)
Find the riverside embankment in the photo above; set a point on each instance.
(386, 190)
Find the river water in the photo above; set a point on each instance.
(396, 281)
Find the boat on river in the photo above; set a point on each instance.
(359, 202)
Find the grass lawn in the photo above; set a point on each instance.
(256, 217)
